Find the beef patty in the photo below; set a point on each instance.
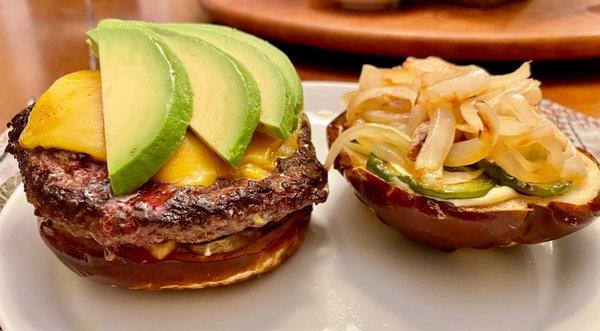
(73, 190)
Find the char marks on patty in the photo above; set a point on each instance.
(73, 190)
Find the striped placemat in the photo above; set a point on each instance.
(584, 131)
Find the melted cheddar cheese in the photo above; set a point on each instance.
(69, 117)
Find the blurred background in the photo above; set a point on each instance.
(326, 39)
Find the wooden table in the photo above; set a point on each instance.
(43, 40)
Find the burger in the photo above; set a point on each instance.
(453, 157)
(184, 163)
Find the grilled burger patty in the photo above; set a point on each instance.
(74, 191)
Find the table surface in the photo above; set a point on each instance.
(43, 40)
(536, 29)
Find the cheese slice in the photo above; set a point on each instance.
(195, 164)
(495, 195)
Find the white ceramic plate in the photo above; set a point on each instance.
(352, 272)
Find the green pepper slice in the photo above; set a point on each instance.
(474, 188)
(554, 188)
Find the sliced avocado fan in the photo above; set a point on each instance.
(278, 81)
(226, 101)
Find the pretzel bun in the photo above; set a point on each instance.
(135, 268)
(526, 220)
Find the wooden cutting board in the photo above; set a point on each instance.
(533, 29)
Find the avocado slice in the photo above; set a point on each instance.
(277, 114)
(226, 98)
(554, 188)
(292, 80)
(146, 112)
(475, 188)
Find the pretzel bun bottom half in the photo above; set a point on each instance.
(440, 224)
(134, 267)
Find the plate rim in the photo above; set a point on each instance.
(8, 205)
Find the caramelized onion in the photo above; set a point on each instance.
(469, 110)
(400, 76)
(384, 151)
(377, 98)
(556, 160)
(574, 168)
(370, 77)
(469, 115)
(543, 131)
(358, 148)
(417, 116)
(461, 87)
(505, 159)
(460, 176)
(347, 98)
(520, 107)
(510, 126)
(507, 162)
(532, 92)
(518, 75)
(357, 158)
(472, 150)
(467, 152)
(562, 139)
(529, 88)
(439, 140)
(430, 64)
(523, 162)
(377, 131)
(384, 117)
(491, 98)
(466, 128)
